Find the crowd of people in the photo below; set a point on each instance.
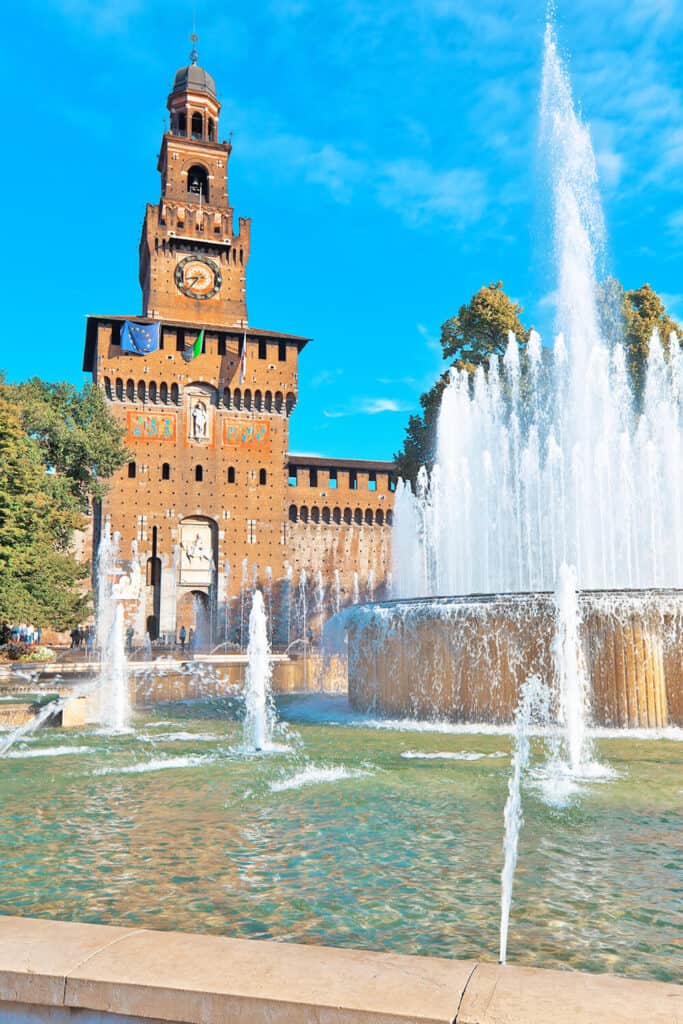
(24, 634)
(83, 637)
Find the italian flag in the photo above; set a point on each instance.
(191, 353)
(243, 359)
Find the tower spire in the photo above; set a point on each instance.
(194, 39)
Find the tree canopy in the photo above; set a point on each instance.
(644, 312)
(57, 446)
(468, 340)
(480, 330)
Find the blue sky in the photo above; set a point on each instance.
(385, 151)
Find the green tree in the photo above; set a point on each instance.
(58, 445)
(80, 439)
(40, 580)
(468, 340)
(481, 328)
(644, 312)
(630, 317)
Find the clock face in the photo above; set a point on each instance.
(197, 277)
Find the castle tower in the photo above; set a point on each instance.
(192, 264)
(211, 500)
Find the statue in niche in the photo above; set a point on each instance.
(200, 422)
(197, 550)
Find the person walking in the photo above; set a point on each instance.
(130, 633)
(182, 636)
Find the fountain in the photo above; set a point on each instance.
(116, 590)
(533, 709)
(550, 476)
(259, 717)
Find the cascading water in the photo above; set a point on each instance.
(570, 672)
(544, 461)
(337, 592)
(259, 717)
(320, 598)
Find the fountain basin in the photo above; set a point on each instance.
(464, 658)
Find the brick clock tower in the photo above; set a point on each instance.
(207, 498)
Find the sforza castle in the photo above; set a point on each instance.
(212, 501)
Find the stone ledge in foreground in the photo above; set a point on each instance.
(202, 979)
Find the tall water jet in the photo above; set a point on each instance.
(243, 596)
(542, 461)
(533, 708)
(115, 588)
(116, 696)
(259, 717)
(269, 601)
(226, 605)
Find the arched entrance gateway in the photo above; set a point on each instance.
(197, 579)
(194, 613)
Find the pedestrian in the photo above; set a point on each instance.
(182, 636)
(130, 633)
(90, 640)
(192, 639)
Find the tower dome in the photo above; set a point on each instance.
(195, 79)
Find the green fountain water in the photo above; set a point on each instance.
(361, 834)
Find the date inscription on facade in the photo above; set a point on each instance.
(152, 426)
(246, 433)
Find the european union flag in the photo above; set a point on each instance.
(139, 338)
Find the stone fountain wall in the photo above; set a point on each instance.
(464, 659)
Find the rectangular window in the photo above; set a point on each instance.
(251, 531)
(282, 351)
(262, 350)
(116, 334)
(180, 340)
(292, 476)
(372, 481)
(353, 480)
(392, 483)
(221, 344)
(313, 478)
(333, 479)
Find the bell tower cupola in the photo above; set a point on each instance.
(192, 263)
(192, 102)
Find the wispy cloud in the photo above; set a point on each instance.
(103, 17)
(368, 407)
(420, 193)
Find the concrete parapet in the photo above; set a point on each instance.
(51, 969)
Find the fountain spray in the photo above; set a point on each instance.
(534, 705)
(259, 718)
